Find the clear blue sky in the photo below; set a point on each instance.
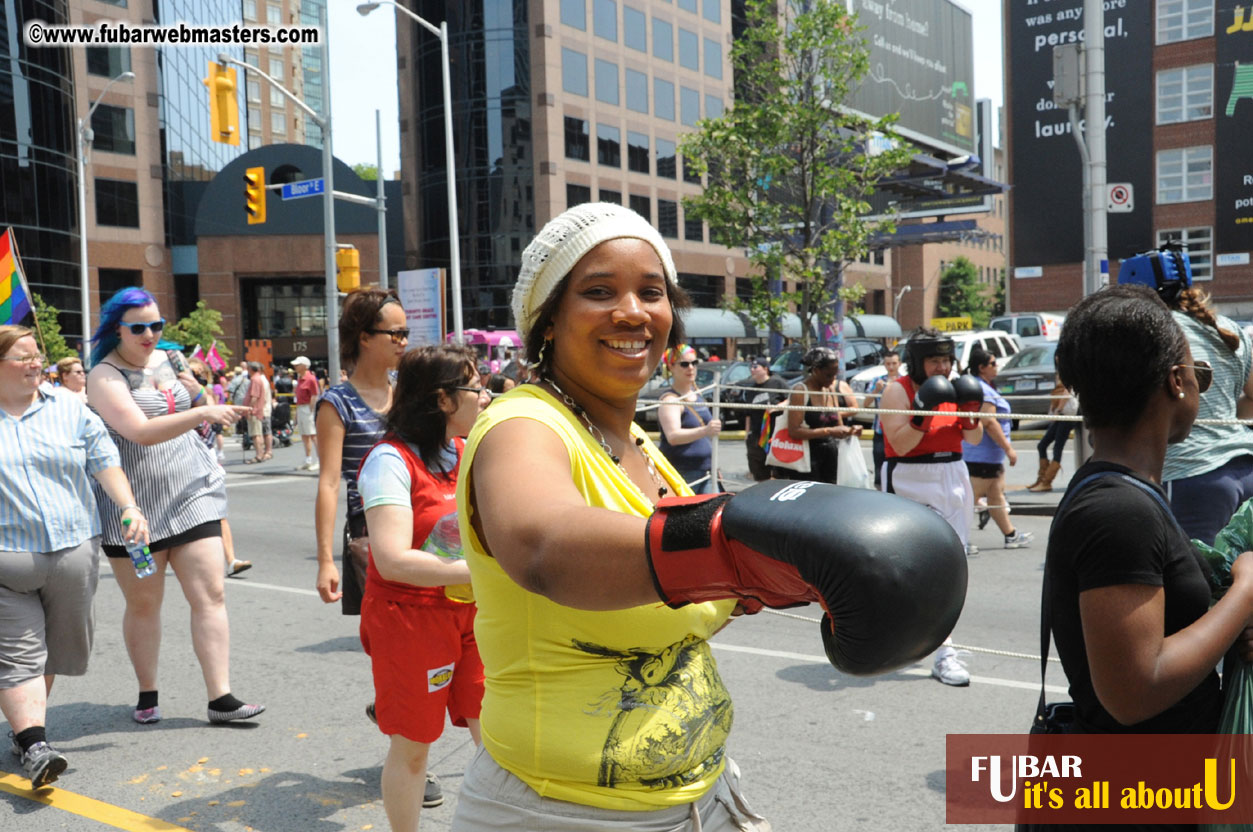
(363, 73)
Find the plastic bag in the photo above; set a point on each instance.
(851, 467)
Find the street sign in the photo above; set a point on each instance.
(299, 190)
(953, 324)
(1120, 198)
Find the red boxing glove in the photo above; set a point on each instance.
(969, 392)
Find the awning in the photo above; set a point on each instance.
(702, 322)
(872, 326)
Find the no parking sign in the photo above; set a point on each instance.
(1120, 199)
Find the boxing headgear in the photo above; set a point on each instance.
(919, 348)
(1168, 271)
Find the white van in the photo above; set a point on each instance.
(1032, 328)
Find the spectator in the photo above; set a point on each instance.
(211, 435)
(985, 462)
(499, 384)
(1057, 434)
(891, 363)
(259, 403)
(417, 619)
(306, 395)
(818, 389)
(50, 444)
(152, 413)
(323, 385)
(73, 377)
(687, 425)
(770, 389)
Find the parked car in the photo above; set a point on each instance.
(858, 353)
(732, 372)
(1030, 372)
(1032, 328)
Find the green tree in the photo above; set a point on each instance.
(961, 294)
(369, 173)
(789, 172)
(203, 326)
(49, 327)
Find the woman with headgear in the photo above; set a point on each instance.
(1127, 597)
(819, 388)
(687, 424)
(1210, 473)
(603, 709)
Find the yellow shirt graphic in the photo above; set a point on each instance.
(621, 710)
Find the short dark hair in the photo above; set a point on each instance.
(819, 357)
(362, 310)
(979, 358)
(1116, 350)
(414, 416)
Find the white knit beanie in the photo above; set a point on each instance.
(562, 243)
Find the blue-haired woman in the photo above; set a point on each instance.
(152, 411)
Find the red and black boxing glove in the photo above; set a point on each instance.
(932, 393)
(969, 391)
(890, 573)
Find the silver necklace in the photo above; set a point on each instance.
(599, 436)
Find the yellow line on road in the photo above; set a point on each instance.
(86, 807)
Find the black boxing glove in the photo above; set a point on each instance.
(890, 573)
(932, 393)
(969, 392)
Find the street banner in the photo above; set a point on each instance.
(422, 296)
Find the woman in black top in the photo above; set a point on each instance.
(819, 388)
(1128, 598)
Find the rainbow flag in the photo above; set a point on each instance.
(14, 297)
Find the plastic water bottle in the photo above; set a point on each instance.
(445, 541)
(140, 556)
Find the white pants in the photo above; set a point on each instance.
(943, 487)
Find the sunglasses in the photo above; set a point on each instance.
(139, 327)
(686, 364)
(398, 336)
(1204, 374)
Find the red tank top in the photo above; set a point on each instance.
(434, 498)
(944, 435)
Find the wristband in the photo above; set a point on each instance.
(199, 396)
(127, 507)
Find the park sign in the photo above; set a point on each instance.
(958, 324)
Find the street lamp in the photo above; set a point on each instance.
(454, 233)
(896, 305)
(84, 138)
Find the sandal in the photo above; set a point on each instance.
(254, 460)
(266, 457)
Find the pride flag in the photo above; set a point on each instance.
(14, 297)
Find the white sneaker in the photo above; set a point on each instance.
(949, 669)
(1018, 540)
(313, 466)
(971, 550)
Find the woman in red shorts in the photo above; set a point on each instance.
(417, 619)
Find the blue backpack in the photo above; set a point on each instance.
(1168, 271)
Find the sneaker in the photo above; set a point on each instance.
(147, 716)
(1018, 540)
(242, 712)
(314, 467)
(43, 764)
(370, 715)
(433, 795)
(971, 550)
(984, 517)
(949, 669)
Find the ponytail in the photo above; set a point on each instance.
(1195, 304)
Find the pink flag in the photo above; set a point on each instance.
(213, 359)
(198, 352)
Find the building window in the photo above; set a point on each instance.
(254, 141)
(713, 59)
(283, 308)
(117, 203)
(713, 106)
(273, 14)
(1185, 94)
(636, 91)
(693, 229)
(108, 61)
(689, 50)
(114, 128)
(606, 81)
(640, 205)
(605, 19)
(688, 5)
(712, 10)
(276, 69)
(1199, 243)
(250, 10)
(278, 122)
(1184, 20)
(663, 99)
(574, 13)
(637, 152)
(1185, 174)
(634, 29)
(668, 218)
(254, 92)
(608, 146)
(578, 139)
(577, 195)
(254, 119)
(573, 72)
(611, 196)
(665, 159)
(689, 172)
(277, 99)
(689, 106)
(663, 40)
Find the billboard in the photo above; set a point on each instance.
(922, 66)
(1233, 109)
(1045, 169)
(422, 296)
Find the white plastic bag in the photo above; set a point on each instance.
(851, 468)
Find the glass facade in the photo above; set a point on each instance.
(491, 91)
(312, 13)
(38, 184)
(292, 308)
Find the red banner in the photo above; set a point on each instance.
(1099, 778)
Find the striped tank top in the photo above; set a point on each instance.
(363, 428)
(178, 484)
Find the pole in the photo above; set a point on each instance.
(454, 232)
(84, 291)
(1094, 114)
(715, 480)
(384, 281)
(328, 215)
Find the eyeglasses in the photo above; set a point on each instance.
(478, 391)
(1204, 374)
(25, 359)
(138, 327)
(686, 364)
(398, 336)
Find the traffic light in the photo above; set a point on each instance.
(254, 195)
(349, 262)
(223, 104)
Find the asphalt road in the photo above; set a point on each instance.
(819, 750)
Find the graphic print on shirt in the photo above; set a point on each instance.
(671, 716)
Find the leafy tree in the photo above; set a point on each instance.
(367, 172)
(52, 342)
(203, 326)
(790, 173)
(961, 294)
